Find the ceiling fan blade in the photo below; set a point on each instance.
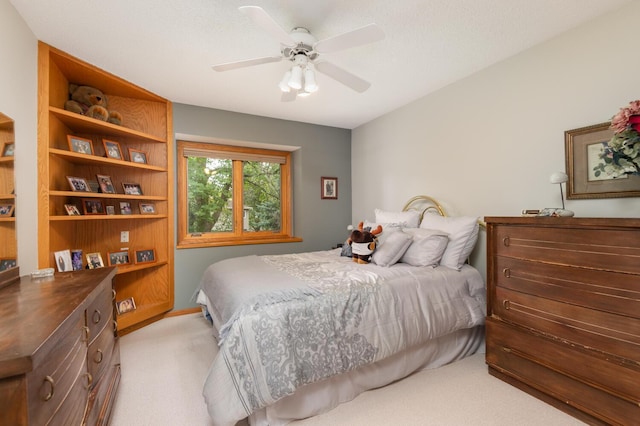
(289, 96)
(342, 76)
(266, 22)
(364, 35)
(246, 63)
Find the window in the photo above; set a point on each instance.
(229, 195)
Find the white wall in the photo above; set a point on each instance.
(18, 100)
(487, 145)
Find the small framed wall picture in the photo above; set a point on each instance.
(6, 210)
(125, 207)
(94, 260)
(72, 210)
(145, 256)
(126, 305)
(78, 184)
(92, 206)
(147, 208)
(137, 156)
(7, 149)
(329, 188)
(106, 186)
(132, 188)
(80, 145)
(112, 149)
(118, 258)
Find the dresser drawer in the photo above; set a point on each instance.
(99, 355)
(588, 248)
(571, 375)
(100, 312)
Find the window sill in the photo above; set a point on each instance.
(199, 242)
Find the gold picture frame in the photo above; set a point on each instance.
(582, 147)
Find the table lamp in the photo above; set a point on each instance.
(560, 178)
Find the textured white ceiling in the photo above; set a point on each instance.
(169, 46)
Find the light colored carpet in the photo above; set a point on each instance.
(165, 363)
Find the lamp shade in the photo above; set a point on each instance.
(558, 177)
(296, 78)
(310, 84)
(284, 84)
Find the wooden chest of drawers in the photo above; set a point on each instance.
(59, 354)
(563, 313)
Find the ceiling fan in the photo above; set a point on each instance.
(303, 50)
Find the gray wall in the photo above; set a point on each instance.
(324, 151)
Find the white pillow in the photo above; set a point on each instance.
(391, 250)
(463, 235)
(387, 229)
(427, 247)
(408, 219)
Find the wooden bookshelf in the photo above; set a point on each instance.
(147, 126)
(8, 242)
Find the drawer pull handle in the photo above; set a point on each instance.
(506, 241)
(87, 333)
(98, 357)
(97, 315)
(49, 380)
(506, 272)
(89, 379)
(506, 304)
(113, 294)
(115, 327)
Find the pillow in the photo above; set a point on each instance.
(427, 247)
(463, 235)
(392, 249)
(387, 229)
(408, 219)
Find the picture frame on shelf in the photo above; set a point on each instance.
(78, 184)
(125, 207)
(80, 145)
(132, 188)
(126, 305)
(118, 258)
(329, 188)
(111, 210)
(93, 185)
(92, 206)
(63, 260)
(8, 149)
(137, 156)
(76, 259)
(145, 256)
(72, 210)
(583, 147)
(6, 210)
(147, 208)
(112, 149)
(105, 184)
(94, 261)
(7, 263)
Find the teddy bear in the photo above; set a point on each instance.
(91, 102)
(363, 243)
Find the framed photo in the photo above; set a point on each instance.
(137, 156)
(329, 188)
(63, 261)
(6, 210)
(119, 258)
(147, 208)
(72, 210)
(80, 145)
(92, 206)
(132, 188)
(106, 186)
(76, 259)
(125, 207)
(7, 149)
(94, 260)
(78, 184)
(145, 256)
(7, 264)
(111, 210)
(583, 148)
(126, 305)
(112, 149)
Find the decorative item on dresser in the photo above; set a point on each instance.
(59, 353)
(563, 317)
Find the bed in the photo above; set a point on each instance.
(299, 334)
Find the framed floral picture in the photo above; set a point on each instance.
(587, 153)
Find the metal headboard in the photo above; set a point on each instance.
(423, 204)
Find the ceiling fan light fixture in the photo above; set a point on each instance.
(284, 84)
(295, 82)
(310, 85)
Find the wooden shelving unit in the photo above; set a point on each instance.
(147, 126)
(8, 244)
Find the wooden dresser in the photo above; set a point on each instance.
(563, 313)
(59, 353)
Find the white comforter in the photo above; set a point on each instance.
(291, 320)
